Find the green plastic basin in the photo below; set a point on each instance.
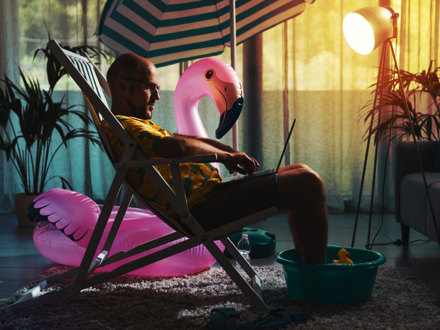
(331, 282)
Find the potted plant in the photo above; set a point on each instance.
(30, 120)
(422, 91)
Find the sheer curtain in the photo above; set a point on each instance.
(307, 72)
(419, 34)
(310, 73)
(8, 62)
(25, 26)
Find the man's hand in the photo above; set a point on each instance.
(183, 145)
(239, 162)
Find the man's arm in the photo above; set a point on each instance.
(185, 145)
(209, 141)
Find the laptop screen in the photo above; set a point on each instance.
(285, 145)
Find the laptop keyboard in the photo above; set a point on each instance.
(247, 176)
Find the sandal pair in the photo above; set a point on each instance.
(227, 318)
(275, 319)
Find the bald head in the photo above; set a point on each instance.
(128, 65)
(134, 86)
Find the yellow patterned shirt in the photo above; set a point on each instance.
(198, 178)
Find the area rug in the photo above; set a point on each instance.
(400, 301)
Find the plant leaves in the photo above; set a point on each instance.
(391, 104)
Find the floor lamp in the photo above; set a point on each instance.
(365, 30)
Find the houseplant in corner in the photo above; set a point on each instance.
(33, 128)
(422, 92)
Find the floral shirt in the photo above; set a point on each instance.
(198, 178)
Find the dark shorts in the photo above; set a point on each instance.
(232, 201)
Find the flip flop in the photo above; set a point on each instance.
(223, 319)
(275, 319)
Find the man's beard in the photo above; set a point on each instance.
(141, 112)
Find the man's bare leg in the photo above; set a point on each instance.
(302, 194)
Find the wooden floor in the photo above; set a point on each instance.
(20, 261)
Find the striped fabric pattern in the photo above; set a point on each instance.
(170, 31)
(88, 72)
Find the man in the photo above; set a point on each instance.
(296, 188)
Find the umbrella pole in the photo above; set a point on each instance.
(233, 33)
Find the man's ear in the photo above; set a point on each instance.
(124, 87)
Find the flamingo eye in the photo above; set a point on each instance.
(209, 74)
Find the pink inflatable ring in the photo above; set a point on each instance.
(66, 221)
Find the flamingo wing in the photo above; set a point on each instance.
(72, 213)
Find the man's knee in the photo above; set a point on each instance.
(313, 184)
(300, 187)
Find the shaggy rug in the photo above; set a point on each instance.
(400, 301)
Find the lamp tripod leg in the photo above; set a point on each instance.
(376, 152)
(370, 133)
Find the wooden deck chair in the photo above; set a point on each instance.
(90, 80)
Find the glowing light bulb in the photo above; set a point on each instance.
(367, 28)
(358, 33)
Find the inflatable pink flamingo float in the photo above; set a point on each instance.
(67, 218)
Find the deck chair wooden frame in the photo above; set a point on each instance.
(90, 80)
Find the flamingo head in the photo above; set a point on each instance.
(227, 93)
(213, 78)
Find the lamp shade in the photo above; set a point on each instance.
(367, 28)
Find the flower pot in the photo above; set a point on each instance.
(22, 202)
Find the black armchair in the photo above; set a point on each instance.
(407, 162)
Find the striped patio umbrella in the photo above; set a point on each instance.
(170, 31)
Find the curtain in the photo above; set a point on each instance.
(418, 34)
(8, 63)
(311, 74)
(25, 26)
(308, 72)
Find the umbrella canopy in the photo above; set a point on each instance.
(167, 31)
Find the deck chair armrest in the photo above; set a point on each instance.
(189, 159)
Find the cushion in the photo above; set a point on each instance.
(434, 191)
(413, 205)
(436, 165)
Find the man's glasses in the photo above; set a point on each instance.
(152, 87)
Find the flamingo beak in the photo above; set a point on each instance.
(228, 118)
(228, 97)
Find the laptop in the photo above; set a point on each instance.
(263, 172)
